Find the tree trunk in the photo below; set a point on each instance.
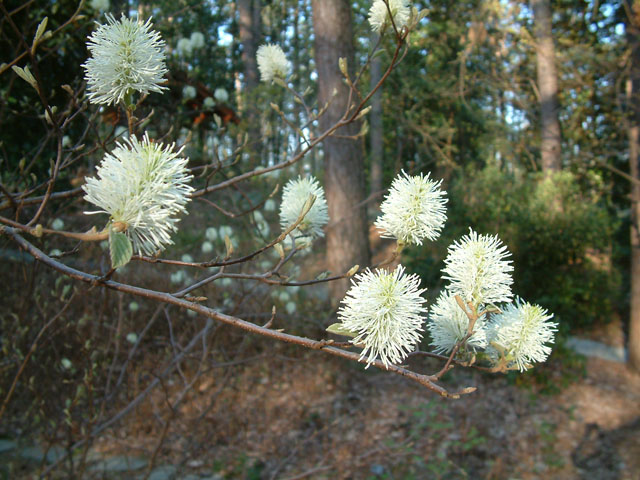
(633, 91)
(547, 86)
(250, 27)
(347, 233)
(375, 131)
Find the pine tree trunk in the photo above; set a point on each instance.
(633, 91)
(375, 130)
(250, 27)
(550, 144)
(344, 183)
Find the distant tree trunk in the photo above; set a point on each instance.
(347, 235)
(250, 27)
(633, 91)
(547, 86)
(375, 129)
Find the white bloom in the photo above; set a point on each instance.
(379, 14)
(178, 277)
(121, 132)
(126, 56)
(57, 224)
(221, 95)
(134, 307)
(184, 46)
(284, 296)
(189, 92)
(211, 233)
(55, 253)
(448, 324)
(521, 330)
(225, 231)
(270, 205)
(414, 209)
(477, 269)
(132, 337)
(209, 102)
(386, 312)
(272, 62)
(207, 247)
(294, 196)
(144, 186)
(197, 40)
(186, 258)
(291, 308)
(66, 141)
(100, 5)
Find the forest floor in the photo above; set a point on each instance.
(320, 418)
(287, 414)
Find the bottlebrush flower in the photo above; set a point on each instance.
(521, 331)
(379, 14)
(272, 63)
(143, 185)
(386, 312)
(126, 56)
(414, 209)
(477, 269)
(448, 324)
(294, 196)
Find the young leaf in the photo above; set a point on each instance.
(338, 329)
(120, 248)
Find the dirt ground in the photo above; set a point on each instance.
(315, 417)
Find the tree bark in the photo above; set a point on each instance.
(633, 92)
(250, 26)
(344, 183)
(550, 143)
(375, 131)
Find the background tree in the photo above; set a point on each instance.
(347, 234)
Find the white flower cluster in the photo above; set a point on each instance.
(414, 209)
(272, 63)
(127, 56)
(142, 185)
(480, 276)
(379, 14)
(386, 312)
(478, 269)
(520, 333)
(294, 196)
(186, 46)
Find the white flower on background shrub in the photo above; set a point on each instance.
(144, 186)
(211, 233)
(225, 231)
(294, 196)
(197, 40)
(100, 5)
(270, 205)
(209, 103)
(379, 14)
(477, 268)
(127, 56)
(414, 209)
(57, 224)
(272, 63)
(448, 324)
(207, 247)
(184, 47)
(521, 332)
(189, 92)
(385, 312)
(186, 258)
(221, 95)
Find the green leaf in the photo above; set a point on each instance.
(338, 329)
(120, 248)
